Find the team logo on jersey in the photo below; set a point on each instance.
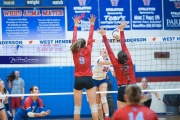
(177, 4)
(114, 2)
(33, 108)
(146, 2)
(82, 2)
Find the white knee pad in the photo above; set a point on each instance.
(99, 106)
(104, 100)
(93, 108)
(77, 110)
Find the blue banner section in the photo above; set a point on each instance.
(112, 12)
(24, 60)
(39, 3)
(33, 23)
(171, 14)
(33, 2)
(82, 8)
(147, 14)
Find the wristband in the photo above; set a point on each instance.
(7, 106)
(159, 99)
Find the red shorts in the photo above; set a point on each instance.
(16, 102)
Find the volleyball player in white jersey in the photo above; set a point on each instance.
(100, 70)
(3, 99)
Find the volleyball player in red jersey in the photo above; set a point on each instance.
(123, 65)
(134, 110)
(83, 73)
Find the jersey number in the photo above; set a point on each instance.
(81, 60)
(139, 116)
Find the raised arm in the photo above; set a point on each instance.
(76, 22)
(106, 42)
(122, 39)
(91, 31)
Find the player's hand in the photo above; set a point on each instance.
(48, 112)
(76, 20)
(9, 113)
(92, 19)
(22, 98)
(122, 25)
(102, 31)
(43, 114)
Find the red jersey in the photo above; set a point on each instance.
(135, 112)
(82, 58)
(119, 68)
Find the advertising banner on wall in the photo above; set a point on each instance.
(52, 48)
(147, 14)
(24, 3)
(171, 14)
(82, 8)
(33, 23)
(112, 12)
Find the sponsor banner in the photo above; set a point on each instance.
(35, 49)
(24, 60)
(33, 23)
(17, 3)
(82, 8)
(146, 14)
(65, 42)
(171, 14)
(112, 12)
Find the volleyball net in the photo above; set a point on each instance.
(48, 64)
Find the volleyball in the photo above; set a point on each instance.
(116, 34)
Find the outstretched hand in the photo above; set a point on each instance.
(102, 31)
(122, 25)
(76, 20)
(92, 19)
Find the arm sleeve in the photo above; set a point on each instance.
(123, 45)
(41, 106)
(90, 39)
(22, 83)
(110, 52)
(99, 59)
(74, 39)
(27, 106)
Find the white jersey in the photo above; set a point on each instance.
(100, 71)
(2, 99)
(147, 95)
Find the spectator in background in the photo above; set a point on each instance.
(16, 84)
(109, 96)
(3, 101)
(147, 97)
